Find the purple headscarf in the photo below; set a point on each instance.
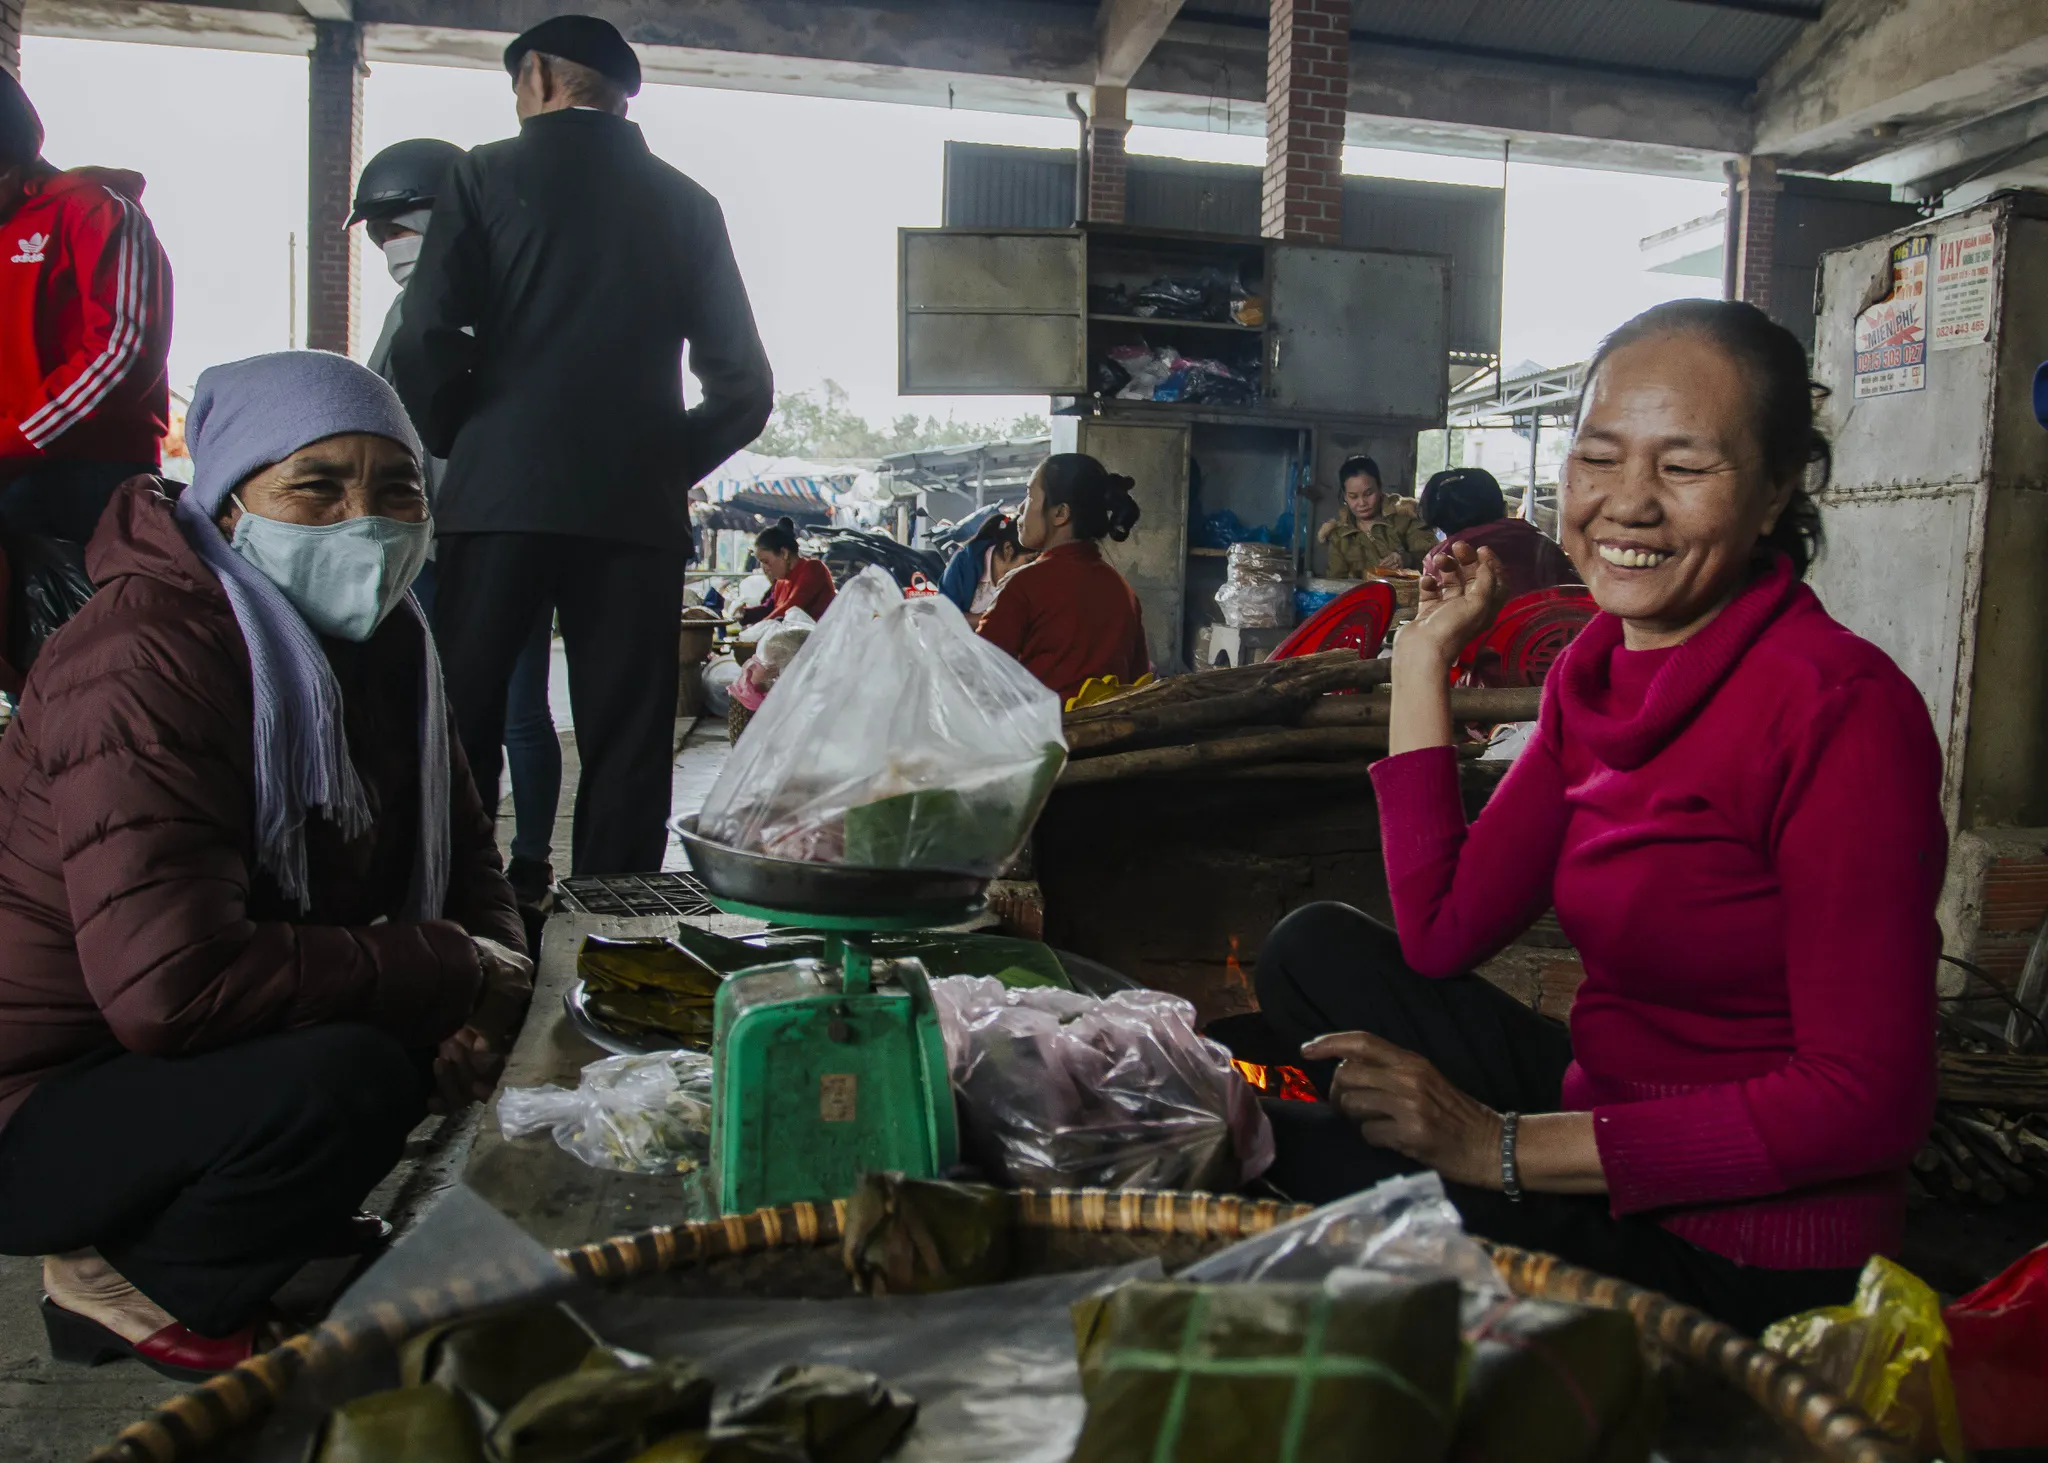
(244, 417)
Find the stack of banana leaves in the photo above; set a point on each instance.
(1316, 716)
(661, 989)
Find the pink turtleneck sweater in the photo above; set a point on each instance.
(1743, 837)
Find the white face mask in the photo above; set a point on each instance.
(343, 577)
(402, 255)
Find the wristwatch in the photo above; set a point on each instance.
(1510, 1168)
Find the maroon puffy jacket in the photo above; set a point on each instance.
(131, 909)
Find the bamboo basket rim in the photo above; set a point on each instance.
(181, 1428)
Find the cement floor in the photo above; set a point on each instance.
(51, 1413)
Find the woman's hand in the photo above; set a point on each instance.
(468, 1064)
(1400, 1101)
(1455, 604)
(1391, 561)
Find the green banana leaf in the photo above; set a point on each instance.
(913, 1236)
(1554, 1383)
(408, 1425)
(952, 828)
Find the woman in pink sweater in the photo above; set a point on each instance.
(1733, 804)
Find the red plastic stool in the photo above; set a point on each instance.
(1531, 633)
(1355, 620)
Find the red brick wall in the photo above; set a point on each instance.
(10, 37)
(1106, 169)
(1757, 233)
(1308, 88)
(334, 145)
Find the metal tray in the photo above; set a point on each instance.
(839, 891)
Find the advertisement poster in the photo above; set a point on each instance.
(1891, 336)
(1960, 302)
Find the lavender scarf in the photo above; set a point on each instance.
(244, 417)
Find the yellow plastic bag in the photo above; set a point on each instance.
(1886, 1351)
(1102, 688)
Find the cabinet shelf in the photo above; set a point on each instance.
(1190, 324)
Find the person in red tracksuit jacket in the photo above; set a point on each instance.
(85, 328)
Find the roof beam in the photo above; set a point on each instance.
(1804, 10)
(1126, 31)
(329, 9)
(1875, 76)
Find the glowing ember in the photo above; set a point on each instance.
(1287, 1082)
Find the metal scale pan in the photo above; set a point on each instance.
(830, 896)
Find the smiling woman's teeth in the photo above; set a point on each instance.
(1633, 558)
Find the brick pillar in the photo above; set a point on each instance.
(334, 146)
(1106, 129)
(1308, 90)
(1754, 204)
(10, 37)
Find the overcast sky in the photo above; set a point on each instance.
(813, 190)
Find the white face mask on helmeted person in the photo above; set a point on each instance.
(343, 577)
(402, 256)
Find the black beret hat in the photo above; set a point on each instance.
(587, 41)
(21, 130)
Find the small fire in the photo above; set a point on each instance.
(1233, 971)
(1290, 1083)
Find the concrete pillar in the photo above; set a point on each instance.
(1753, 218)
(10, 37)
(1308, 90)
(334, 146)
(1109, 121)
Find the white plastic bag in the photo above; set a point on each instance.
(897, 739)
(644, 1114)
(1061, 1090)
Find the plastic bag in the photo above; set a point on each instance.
(1258, 588)
(1061, 1090)
(46, 585)
(900, 739)
(1998, 1337)
(1886, 1351)
(1406, 1225)
(645, 1114)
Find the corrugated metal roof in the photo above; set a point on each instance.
(1675, 36)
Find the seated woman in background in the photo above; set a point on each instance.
(1734, 805)
(797, 583)
(1068, 616)
(251, 916)
(982, 563)
(1372, 532)
(1465, 505)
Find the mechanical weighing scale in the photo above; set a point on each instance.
(823, 1070)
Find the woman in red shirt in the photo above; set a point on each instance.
(1068, 615)
(1734, 806)
(797, 583)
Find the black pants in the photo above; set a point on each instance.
(63, 499)
(1328, 967)
(621, 610)
(208, 1180)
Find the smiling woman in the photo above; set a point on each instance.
(1734, 806)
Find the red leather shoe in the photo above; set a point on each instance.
(175, 1352)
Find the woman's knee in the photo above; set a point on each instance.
(1312, 939)
(364, 1074)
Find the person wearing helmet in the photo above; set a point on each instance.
(394, 202)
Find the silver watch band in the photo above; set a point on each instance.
(1510, 1168)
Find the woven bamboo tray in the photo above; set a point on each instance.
(792, 1250)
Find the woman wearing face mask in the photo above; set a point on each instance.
(394, 203)
(1372, 531)
(250, 906)
(1068, 616)
(1734, 805)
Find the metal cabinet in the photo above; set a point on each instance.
(1154, 559)
(1353, 333)
(986, 312)
(1359, 333)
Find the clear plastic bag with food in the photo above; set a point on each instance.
(898, 739)
(638, 1114)
(1062, 1090)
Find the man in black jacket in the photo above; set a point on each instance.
(584, 266)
